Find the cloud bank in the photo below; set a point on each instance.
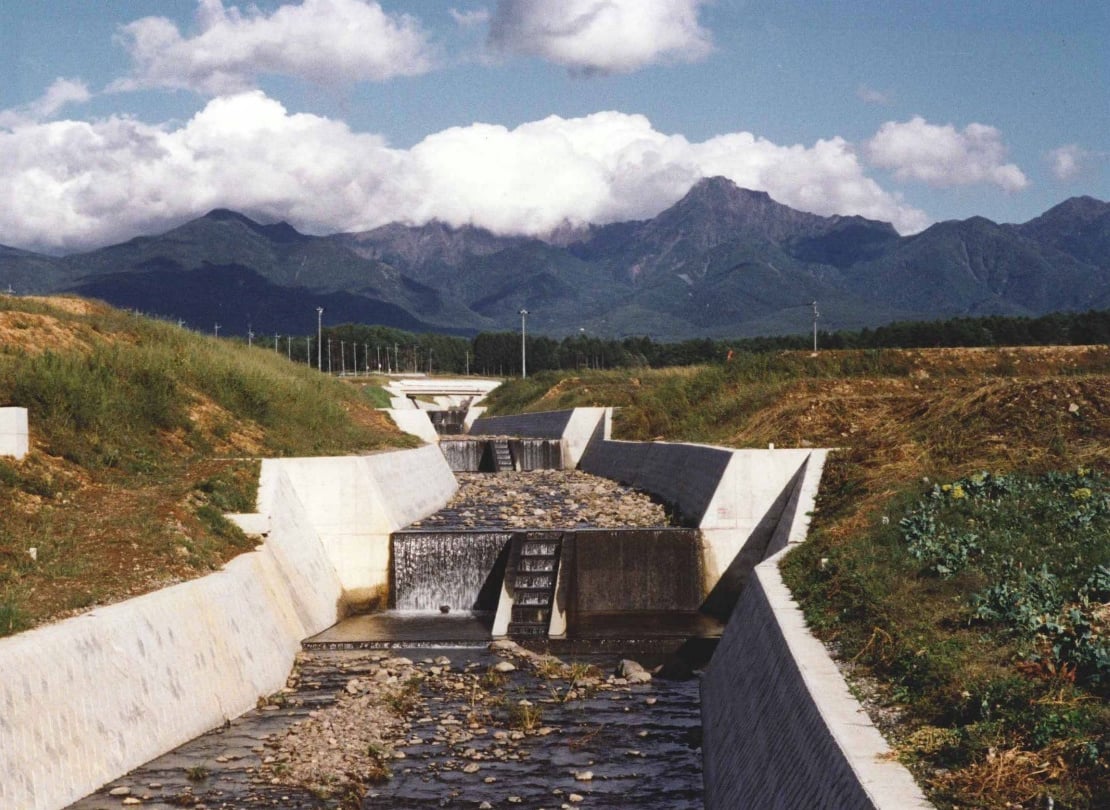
(324, 41)
(67, 185)
(601, 36)
(944, 156)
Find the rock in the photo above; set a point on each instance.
(632, 672)
(504, 666)
(473, 767)
(575, 797)
(132, 800)
(584, 776)
(120, 791)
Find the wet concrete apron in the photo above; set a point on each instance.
(615, 745)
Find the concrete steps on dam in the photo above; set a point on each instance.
(534, 568)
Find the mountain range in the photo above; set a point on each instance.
(722, 261)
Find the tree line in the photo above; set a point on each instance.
(360, 348)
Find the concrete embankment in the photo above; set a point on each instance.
(90, 698)
(86, 700)
(780, 728)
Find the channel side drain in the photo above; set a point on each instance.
(533, 577)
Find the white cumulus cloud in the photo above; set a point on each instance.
(941, 155)
(601, 36)
(60, 94)
(67, 185)
(320, 40)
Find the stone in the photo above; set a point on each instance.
(584, 776)
(120, 791)
(473, 767)
(504, 666)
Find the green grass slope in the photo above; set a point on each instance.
(142, 435)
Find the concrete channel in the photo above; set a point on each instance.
(89, 699)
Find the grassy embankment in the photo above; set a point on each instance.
(142, 435)
(971, 610)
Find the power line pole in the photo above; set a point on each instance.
(319, 339)
(523, 345)
(816, 315)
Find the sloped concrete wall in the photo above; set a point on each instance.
(780, 728)
(736, 497)
(414, 421)
(355, 502)
(90, 698)
(576, 427)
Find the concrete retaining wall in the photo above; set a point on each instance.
(88, 699)
(780, 728)
(355, 502)
(736, 497)
(14, 436)
(577, 428)
(414, 421)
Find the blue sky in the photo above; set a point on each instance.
(522, 115)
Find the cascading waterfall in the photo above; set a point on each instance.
(455, 569)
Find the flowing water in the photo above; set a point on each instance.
(640, 744)
(456, 570)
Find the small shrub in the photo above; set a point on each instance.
(525, 716)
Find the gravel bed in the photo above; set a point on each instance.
(545, 499)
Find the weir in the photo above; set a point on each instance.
(457, 570)
(481, 454)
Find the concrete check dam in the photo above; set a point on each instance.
(382, 569)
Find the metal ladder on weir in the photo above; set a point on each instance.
(502, 456)
(534, 570)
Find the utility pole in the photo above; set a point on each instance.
(523, 345)
(343, 358)
(217, 330)
(329, 355)
(319, 337)
(816, 315)
(468, 362)
(250, 337)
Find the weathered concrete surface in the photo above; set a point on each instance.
(575, 427)
(14, 436)
(88, 699)
(414, 421)
(356, 502)
(618, 570)
(780, 728)
(738, 498)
